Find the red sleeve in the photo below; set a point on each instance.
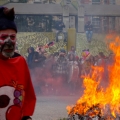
(30, 98)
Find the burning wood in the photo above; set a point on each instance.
(98, 103)
(93, 113)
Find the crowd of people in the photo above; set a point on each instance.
(62, 72)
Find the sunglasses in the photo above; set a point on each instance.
(5, 36)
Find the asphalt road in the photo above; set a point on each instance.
(53, 107)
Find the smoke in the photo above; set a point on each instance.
(45, 83)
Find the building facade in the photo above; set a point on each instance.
(40, 15)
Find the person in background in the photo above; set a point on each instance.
(38, 48)
(73, 73)
(30, 58)
(17, 96)
(59, 25)
(62, 62)
(101, 59)
(72, 51)
(60, 68)
(89, 31)
(39, 58)
(16, 48)
(102, 74)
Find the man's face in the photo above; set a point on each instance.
(89, 22)
(62, 54)
(73, 48)
(7, 42)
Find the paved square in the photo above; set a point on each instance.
(53, 107)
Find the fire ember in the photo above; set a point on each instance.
(98, 102)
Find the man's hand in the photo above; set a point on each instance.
(36, 60)
(26, 118)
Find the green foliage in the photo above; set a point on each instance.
(97, 44)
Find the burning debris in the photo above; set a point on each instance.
(97, 102)
(93, 113)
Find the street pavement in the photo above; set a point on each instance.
(53, 107)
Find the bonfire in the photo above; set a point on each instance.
(98, 102)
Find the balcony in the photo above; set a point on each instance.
(19, 1)
(36, 1)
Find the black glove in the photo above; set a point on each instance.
(26, 118)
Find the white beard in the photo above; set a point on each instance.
(8, 55)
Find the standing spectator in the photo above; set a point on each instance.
(39, 58)
(38, 48)
(37, 72)
(102, 74)
(60, 69)
(17, 95)
(72, 51)
(101, 59)
(85, 62)
(30, 58)
(89, 31)
(61, 64)
(16, 48)
(59, 25)
(73, 72)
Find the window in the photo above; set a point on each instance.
(96, 2)
(96, 23)
(19, 1)
(36, 23)
(111, 24)
(106, 1)
(112, 2)
(47, 1)
(105, 24)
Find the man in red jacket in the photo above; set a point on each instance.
(17, 97)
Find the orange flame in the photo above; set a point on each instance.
(102, 101)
